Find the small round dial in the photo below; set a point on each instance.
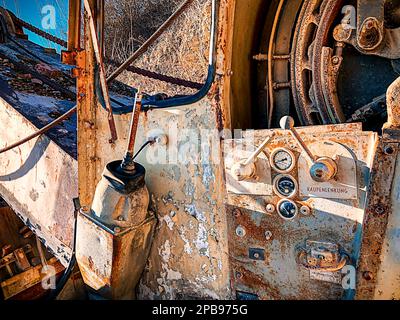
(287, 209)
(282, 160)
(285, 186)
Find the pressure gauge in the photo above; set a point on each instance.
(282, 160)
(287, 209)
(285, 186)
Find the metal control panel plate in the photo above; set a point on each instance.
(299, 211)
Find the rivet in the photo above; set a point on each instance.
(240, 231)
(270, 208)
(117, 229)
(379, 210)
(367, 275)
(237, 213)
(304, 210)
(268, 235)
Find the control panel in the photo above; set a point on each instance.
(295, 208)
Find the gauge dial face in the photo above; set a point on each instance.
(282, 160)
(285, 186)
(287, 209)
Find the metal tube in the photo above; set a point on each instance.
(103, 79)
(128, 163)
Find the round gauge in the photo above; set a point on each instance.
(287, 209)
(282, 160)
(285, 186)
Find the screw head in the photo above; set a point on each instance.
(268, 235)
(304, 210)
(270, 208)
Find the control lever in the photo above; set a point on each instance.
(322, 169)
(246, 169)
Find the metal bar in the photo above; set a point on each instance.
(74, 25)
(150, 41)
(134, 124)
(87, 110)
(270, 62)
(103, 80)
(379, 208)
(128, 163)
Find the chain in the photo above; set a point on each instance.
(136, 70)
(39, 32)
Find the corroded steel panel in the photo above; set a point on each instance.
(39, 180)
(265, 248)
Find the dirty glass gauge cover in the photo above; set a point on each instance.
(285, 186)
(282, 160)
(287, 209)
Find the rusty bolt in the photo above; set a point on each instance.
(369, 24)
(117, 229)
(256, 255)
(379, 209)
(388, 150)
(335, 60)
(367, 275)
(237, 213)
(238, 275)
(268, 235)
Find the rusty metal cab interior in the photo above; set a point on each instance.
(301, 204)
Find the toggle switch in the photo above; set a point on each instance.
(322, 169)
(246, 169)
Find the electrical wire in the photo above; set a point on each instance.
(68, 272)
(142, 148)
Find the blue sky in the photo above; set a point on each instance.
(30, 11)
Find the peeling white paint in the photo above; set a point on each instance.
(168, 221)
(186, 248)
(201, 242)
